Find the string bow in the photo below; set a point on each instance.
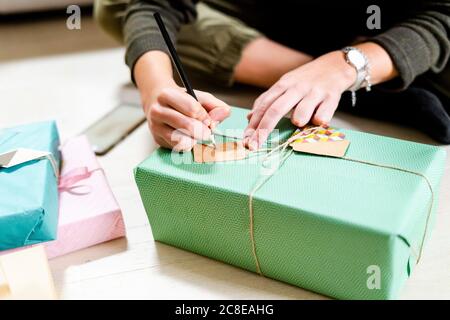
(68, 181)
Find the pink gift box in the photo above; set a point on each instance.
(88, 211)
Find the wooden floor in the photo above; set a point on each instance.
(48, 72)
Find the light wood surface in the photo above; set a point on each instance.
(78, 88)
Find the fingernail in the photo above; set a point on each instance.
(253, 145)
(207, 122)
(197, 111)
(297, 123)
(214, 124)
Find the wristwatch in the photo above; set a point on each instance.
(357, 59)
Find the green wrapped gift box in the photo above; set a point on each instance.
(346, 229)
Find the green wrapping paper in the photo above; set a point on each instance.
(341, 228)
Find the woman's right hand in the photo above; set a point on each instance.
(175, 118)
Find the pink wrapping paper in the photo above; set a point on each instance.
(88, 212)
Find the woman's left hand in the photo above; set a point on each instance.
(313, 90)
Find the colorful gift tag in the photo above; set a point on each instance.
(322, 140)
(311, 134)
(228, 151)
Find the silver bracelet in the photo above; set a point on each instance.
(358, 60)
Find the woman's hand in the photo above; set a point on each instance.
(177, 120)
(312, 90)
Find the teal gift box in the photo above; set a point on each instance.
(29, 190)
(349, 228)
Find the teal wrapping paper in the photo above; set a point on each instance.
(329, 225)
(29, 191)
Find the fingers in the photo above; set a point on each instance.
(217, 109)
(273, 115)
(209, 101)
(315, 107)
(167, 137)
(305, 109)
(189, 126)
(178, 120)
(218, 115)
(183, 103)
(183, 142)
(161, 142)
(262, 103)
(326, 110)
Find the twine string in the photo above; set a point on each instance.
(251, 195)
(430, 208)
(281, 149)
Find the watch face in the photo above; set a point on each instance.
(355, 57)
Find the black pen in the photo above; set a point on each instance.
(176, 61)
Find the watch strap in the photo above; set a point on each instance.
(362, 74)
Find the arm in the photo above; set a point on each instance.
(264, 61)
(313, 90)
(175, 118)
(419, 44)
(141, 33)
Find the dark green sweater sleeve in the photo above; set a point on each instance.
(416, 45)
(420, 43)
(141, 33)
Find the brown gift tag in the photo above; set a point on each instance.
(324, 148)
(228, 151)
